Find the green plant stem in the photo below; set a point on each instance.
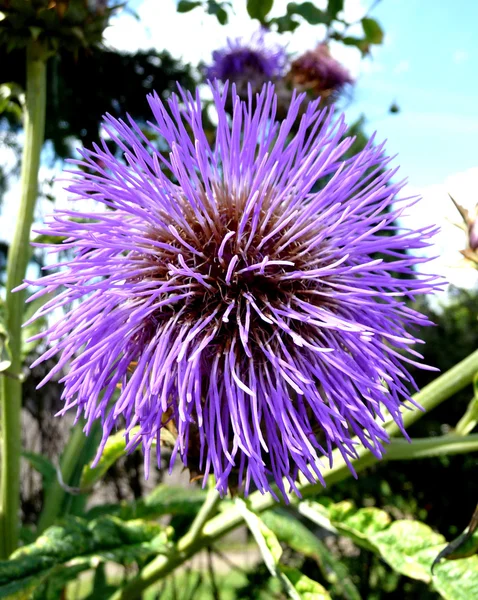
(440, 389)
(469, 420)
(431, 396)
(18, 257)
(204, 514)
(444, 445)
(55, 495)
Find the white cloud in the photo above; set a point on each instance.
(436, 208)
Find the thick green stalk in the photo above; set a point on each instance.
(18, 257)
(431, 396)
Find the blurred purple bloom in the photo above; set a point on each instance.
(254, 60)
(239, 306)
(317, 71)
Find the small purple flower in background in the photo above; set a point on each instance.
(318, 73)
(470, 226)
(252, 61)
(241, 305)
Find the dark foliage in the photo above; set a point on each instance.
(81, 90)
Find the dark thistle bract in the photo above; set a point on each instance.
(241, 301)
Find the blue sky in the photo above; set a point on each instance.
(428, 65)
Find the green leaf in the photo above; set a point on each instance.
(266, 540)
(309, 12)
(457, 580)
(185, 6)
(259, 9)
(215, 8)
(362, 44)
(268, 545)
(307, 588)
(285, 23)
(360, 524)
(41, 464)
(297, 536)
(114, 449)
(64, 551)
(163, 500)
(409, 547)
(334, 7)
(373, 31)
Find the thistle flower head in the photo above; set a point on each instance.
(241, 61)
(319, 73)
(241, 302)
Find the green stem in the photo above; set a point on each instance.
(440, 389)
(444, 445)
(18, 257)
(469, 420)
(204, 514)
(55, 495)
(431, 396)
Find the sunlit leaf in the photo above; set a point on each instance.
(373, 31)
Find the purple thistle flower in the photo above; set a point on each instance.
(318, 72)
(253, 61)
(238, 305)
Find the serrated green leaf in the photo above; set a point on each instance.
(307, 588)
(309, 12)
(372, 30)
(297, 536)
(259, 9)
(78, 545)
(22, 588)
(185, 6)
(409, 547)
